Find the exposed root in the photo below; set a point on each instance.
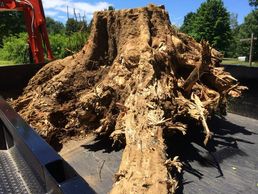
(135, 77)
(203, 116)
(175, 163)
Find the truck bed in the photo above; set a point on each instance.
(228, 165)
(28, 164)
(15, 174)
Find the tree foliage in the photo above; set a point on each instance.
(15, 48)
(111, 8)
(64, 39)
(54, 27)
(253, 3)
(188, 26)
(234, 41)
(63, 45)
(11, 23)
(249, 26)
(73, 25)
(211, 22)
(233, 21)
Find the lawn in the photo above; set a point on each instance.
(5, 63)
(233, 61)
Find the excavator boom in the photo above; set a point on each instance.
(35, 24)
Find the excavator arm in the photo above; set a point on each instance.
(35, 24)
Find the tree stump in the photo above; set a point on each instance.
(135, 77)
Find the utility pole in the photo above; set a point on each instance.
(67, 12)
(251, 46)
(251, 49)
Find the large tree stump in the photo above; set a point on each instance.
(136, 77)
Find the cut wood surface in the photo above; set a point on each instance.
(136, 77)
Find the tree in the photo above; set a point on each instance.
(12, 23)
(233, 21)
(15, 48)
(188, 26)
(253, 3)
(111, 8)
(73, 25)
(232, 49)
(211, 22)
(54, 27)
(249, 26)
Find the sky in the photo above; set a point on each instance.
(177, 9)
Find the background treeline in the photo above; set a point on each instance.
(214, 23)
(211, 22)
(65, 38)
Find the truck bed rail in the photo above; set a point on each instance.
(28, 164)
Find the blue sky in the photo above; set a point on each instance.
(177, 9)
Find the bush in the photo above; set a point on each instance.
(77, 41)
(58, 43)
(63, 45)
(16, 48)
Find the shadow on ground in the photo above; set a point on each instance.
(103, 143)
(190, 148)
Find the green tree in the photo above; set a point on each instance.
(253, 3)
(54, 27)
(12, 23)
(73, 26)
(188, 26)
(211, 22)
(15, 48)
(232, 51)
(233, 21)
(111, 8)
(249, 26)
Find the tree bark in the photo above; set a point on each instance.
(126, 83)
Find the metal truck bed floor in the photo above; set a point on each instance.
(233, 167)
(230, 165)
(15, 175)
(28, 164)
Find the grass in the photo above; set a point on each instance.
(233, 61)
(6, 63)
(225, 61)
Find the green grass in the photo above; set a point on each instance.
(5, 63)
(233, 61)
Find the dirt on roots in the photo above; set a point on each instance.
(136, 78)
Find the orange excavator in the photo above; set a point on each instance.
(35, 24)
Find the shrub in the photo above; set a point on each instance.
(16, 48)
(58, 43)
(63, 45)
(77, 41)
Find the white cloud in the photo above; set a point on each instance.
(61, 17)
(59, 7)
(51, 4)
(51, 13)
